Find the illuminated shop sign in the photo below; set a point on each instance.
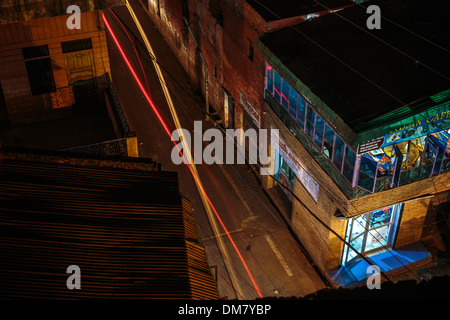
(431, 124)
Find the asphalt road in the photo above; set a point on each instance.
(261, 239)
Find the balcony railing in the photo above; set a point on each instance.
(365, 182)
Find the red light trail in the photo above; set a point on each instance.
(166, 129)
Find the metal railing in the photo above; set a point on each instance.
(117, 147)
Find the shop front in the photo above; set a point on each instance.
(371, 232)
(285, 176)
(371, 239)
(289, 167)
(410, 153)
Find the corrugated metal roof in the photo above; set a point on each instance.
(130, 232)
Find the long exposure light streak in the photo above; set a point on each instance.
(168, 132)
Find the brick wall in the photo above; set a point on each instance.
(323, 246)
(225, 49)
(412, 219)
(44, 31)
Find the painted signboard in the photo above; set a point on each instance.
(436, 122)
(303, 176)
(250, 110)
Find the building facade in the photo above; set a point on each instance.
(215, 43)
(368, 156)
(363, 116)
(45, 64)
(55, 79)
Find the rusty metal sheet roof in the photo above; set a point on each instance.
(130, 232)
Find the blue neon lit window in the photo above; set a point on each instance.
(318, 135)
(310, 120)
(293, 96)
(328, 141)
(301, 112)
(349, 164)
(284, 94)
(276, 86)
(367, 171)
(269, 79)
(338, 153)
(371, 231)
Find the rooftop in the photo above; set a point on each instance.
(122, 221)
(271, 10)
(362, 74)
(25, 10)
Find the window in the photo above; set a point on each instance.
(371, 231)
(283, 165)
(367, 173)
(185, 30)
(318, 135)
(339, 146)
(76, 45)
(291, 176)
(310, 120)
(288, 172)
(216, 11)
(185, 9)
(251, 50)
(269, 79)
(293, 96)
(323, 136)
(39, 69)
(219, 18)
(158, 8)
(328, 141)
(276, 86)
(301, 108)
(284, 94)
(35, 52)
(349, 164)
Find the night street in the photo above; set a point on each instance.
(274, 258)
(225, 157)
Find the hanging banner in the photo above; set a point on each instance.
(254, 114)
(303, 176)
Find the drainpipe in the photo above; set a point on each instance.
(206, 68)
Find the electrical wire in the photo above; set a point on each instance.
(135, 38)
(386, 43)
(189, 167)
(277, 180)
(371, 34)
(326, 226)
(404, 28)
(220, 252)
